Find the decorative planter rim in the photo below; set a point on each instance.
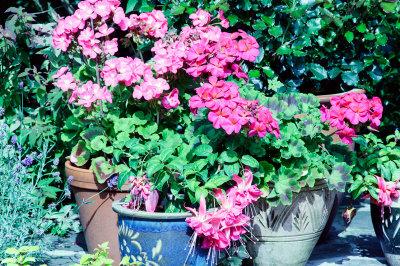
(85, 178)
(116, 206)
(327, 97)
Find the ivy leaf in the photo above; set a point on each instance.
(249, 161)
(283, 50)
(318, 71)
(259, 25)
(130, 6)
(362, 28)
(350, 78)
(275, 31)
(388, 6)
(349, 36)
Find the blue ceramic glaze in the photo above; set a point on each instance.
(157, 241)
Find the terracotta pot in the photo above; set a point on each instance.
(98, 220)
(287, 234)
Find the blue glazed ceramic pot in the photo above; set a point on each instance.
(157, 238)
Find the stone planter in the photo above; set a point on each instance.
(98, 220)
(157, 238)
(286, 235)
(387, 230)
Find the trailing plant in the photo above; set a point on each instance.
(377, 169)
(19, 257)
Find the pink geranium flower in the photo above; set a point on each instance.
(347, 135)
(171, 100)
(200, 18)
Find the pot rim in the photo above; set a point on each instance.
(327, 97)
(116, 206)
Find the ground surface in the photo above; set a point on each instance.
(355, 246)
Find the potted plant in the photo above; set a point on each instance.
(184, 127)
(376, 176)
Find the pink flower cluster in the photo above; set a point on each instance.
(230, 111)
(84, 28)
(85, 94)
(352, 109)
(205, 49)
(386, 192)
(125, 70)
(220, 227)
(140, 191)
(150, 24)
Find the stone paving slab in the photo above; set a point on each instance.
(357, 245)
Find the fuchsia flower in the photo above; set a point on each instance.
(226, 224)
(385, 193)
(352, 108)
(141, 194)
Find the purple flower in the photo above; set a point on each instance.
(27, 161)
(13, 140)
(40, 156)
(112, 181)
(21, 85)
(19, 147)
(52, 205)
(1, 111)
(56, 161)
(67, 192)
(70, 178)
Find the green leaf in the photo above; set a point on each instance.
(381, 39)
(203, 150)
(254, 73)
(388, 6)
(98, 143)
(275, 31)
(139, 118)
(283, 50)
(339, 176)
(318, 71)
(228, 157)
(349, 36)
(80, 154)
(249, 161)
(154, 165)
(165, 154)
(350, 78)
(217, 181)
(126, 125)
(176, 164)
(102, 169)
(161, 178)
(123, 178)
(274, 84)
(259, 25)
(362, 28)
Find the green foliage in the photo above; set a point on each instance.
(375, 158)
(100, 258)
(19, 256)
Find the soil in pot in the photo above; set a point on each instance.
(157, 238)
(387, 230)
(98, 220)
(286, 235)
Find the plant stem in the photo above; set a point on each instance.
(84, 201)
(140, 51)
(98, 77)
(104, 132)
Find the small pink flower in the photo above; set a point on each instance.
(347, 135)
(171, 100)
(111, 47)
(200, 18)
